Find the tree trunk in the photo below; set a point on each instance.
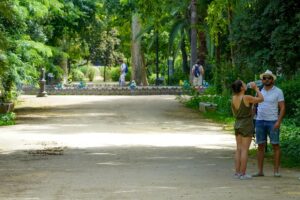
(64, 65)
(229, 14)
(202, 46)
(193, 36)
(138, 73)
(157, 56)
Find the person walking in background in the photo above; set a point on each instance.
(198, 72)
(244, 128)
(123, 71)
(268, 120)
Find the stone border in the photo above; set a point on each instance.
(106, 90)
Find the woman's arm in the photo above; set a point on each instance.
(257, 99)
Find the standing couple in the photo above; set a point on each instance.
(270, 112)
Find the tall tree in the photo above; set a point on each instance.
(193, 36)
(138, 65)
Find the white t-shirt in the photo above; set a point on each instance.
(123, 68)
(268, 109)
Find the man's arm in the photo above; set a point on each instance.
(201, 69)
(281, 106)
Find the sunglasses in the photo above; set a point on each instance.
(267, 78)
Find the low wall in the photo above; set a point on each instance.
(106, 90)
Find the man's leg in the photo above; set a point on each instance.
(260, 158)
(261, 138)
(276, 150)
(274, 140)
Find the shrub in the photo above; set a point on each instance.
(209, 95)
(91, 73)
(291, 92)
(290, 143)
(77, 75)
(176, 77)
(115, 73)
(84, 69)
(107, 73)
(7, 119)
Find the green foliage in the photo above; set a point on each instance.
(222, 101)
(176, 77)
(77, 75)
(290, 143)
(291, 92)
(57, 72)
(91, 73)
(152, 79)
(266, 33)
(115, 73)
(7, 119)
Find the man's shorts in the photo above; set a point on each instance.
(197, 81)
(266, 128)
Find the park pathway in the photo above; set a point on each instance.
(124, 147)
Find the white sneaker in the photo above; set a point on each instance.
(277, 174)
(245, 177)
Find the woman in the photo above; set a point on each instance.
(244, 128)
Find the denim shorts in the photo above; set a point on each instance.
(266, 128)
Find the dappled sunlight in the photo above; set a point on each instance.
(146, 189)
(35, 141)
(111, 163)
(64, 114)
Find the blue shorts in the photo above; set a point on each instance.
(266, 128)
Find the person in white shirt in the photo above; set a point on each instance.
(122, 73)
(270, 113)
(198, 72)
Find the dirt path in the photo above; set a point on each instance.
(124, 147)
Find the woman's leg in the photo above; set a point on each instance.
(245, 144)
(238, 139)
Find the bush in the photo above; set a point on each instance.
(223, 101)
(91, 73)
(84, 69)
(107, 73)
(290, 143)
(115, 74)
(291, 92)
(176, 77)
(7, 119)
(152, 79)
(77, 75)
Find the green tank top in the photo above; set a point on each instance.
(243, 119)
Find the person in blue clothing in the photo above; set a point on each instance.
(269, 116)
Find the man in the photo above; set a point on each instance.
(269, 117)
(198, 73)
(122, 73)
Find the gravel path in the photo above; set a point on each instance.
(124, 147)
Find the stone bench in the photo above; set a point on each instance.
(207, 107)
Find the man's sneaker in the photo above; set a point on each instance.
(245, 177)
(258, 174)
(277, 174)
